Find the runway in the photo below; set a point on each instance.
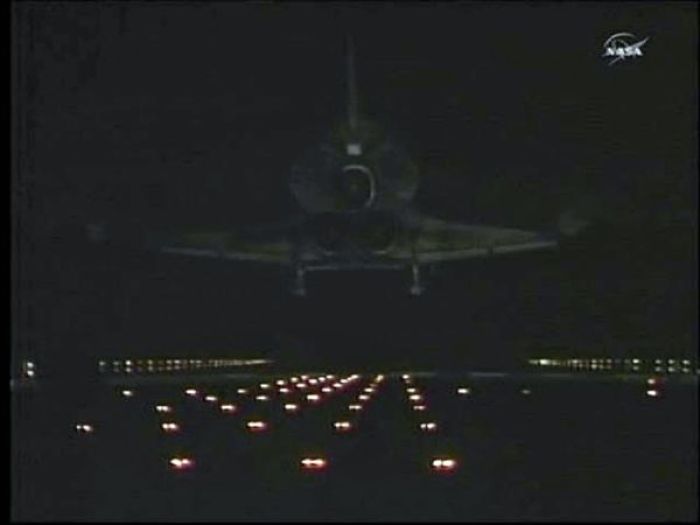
(339, 446)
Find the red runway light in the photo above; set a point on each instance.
(256, 426)
(443, 464)
(170, 427)
(313, 463)
(181, 463)
(84, 429)
(342, 426)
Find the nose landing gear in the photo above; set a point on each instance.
(417, 286)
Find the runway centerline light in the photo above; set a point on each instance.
(127, 393)
(428, 426)
(228, 407)
(211, 399)
(191, 392)
(291, 407)
(653, 393)
(355, 408)
(262, 397)
(165, 409)
(242, 391)
(463, 391)
(419, 408)
(342, 426)
(314, 398)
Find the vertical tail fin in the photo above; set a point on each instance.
(352, 85)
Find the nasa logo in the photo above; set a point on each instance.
(618, 46)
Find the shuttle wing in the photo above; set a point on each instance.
(439, 240)
(269, 244)
(229, 246)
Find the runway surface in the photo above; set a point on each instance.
(340, 446)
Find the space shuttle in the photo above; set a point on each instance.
(355, 192)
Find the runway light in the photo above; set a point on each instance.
(301, 386)
(280, 382)
(379, 378)
(342, 426)
(463, 391)
(405, 377)
(128, 393)
(291, 407)
(313, 398)
(164, 409)
(181, 463)
(191, 392)
(256, 426)
(312, 381)
(170, 427)
(322, 379)
(264, 386)
(211, 399)
(415, 397)
(242, 391)
(262, 397)
(526, 391)
(327, 389)
(363, 397)
(84, 428)
(369, 390)
(428, 427)
(338, 385)
(294, 379)
(228, 407)
(443, 464)
(651, 381)
(653, 393)
(411, 390)
(356, 408)
(304, 377)
(284, 390)
(313, 463)
(419, 408)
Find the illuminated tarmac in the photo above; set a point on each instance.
(344, 446)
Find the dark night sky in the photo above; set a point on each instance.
(177, 114)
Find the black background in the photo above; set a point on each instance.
(190, 115)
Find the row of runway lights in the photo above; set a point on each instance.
(417, 401)
(307, 463)
(302, 383)
(320, 388)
